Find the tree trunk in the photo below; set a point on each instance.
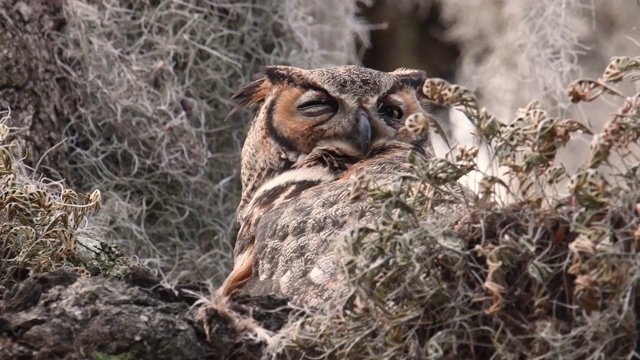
(31, 84)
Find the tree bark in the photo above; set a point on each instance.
(31, 84)
(64, 315)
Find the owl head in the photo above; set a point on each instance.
(334, 116)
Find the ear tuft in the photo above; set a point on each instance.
(411, 77)
(283, 74)
(250, 94)
(258, 90)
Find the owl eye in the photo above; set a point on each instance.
(391, 111)
(317, 107)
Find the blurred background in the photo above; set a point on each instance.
(513, 50)
(508, 53)
(411, 35)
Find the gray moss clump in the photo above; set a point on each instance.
(151, 82)
(551, 273)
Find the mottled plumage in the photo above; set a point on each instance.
(314, 131)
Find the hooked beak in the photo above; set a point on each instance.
(364, 131)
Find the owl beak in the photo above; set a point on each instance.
(364, 131)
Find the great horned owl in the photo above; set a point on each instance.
(313, 132)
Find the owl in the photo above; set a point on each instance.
(314, 132)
